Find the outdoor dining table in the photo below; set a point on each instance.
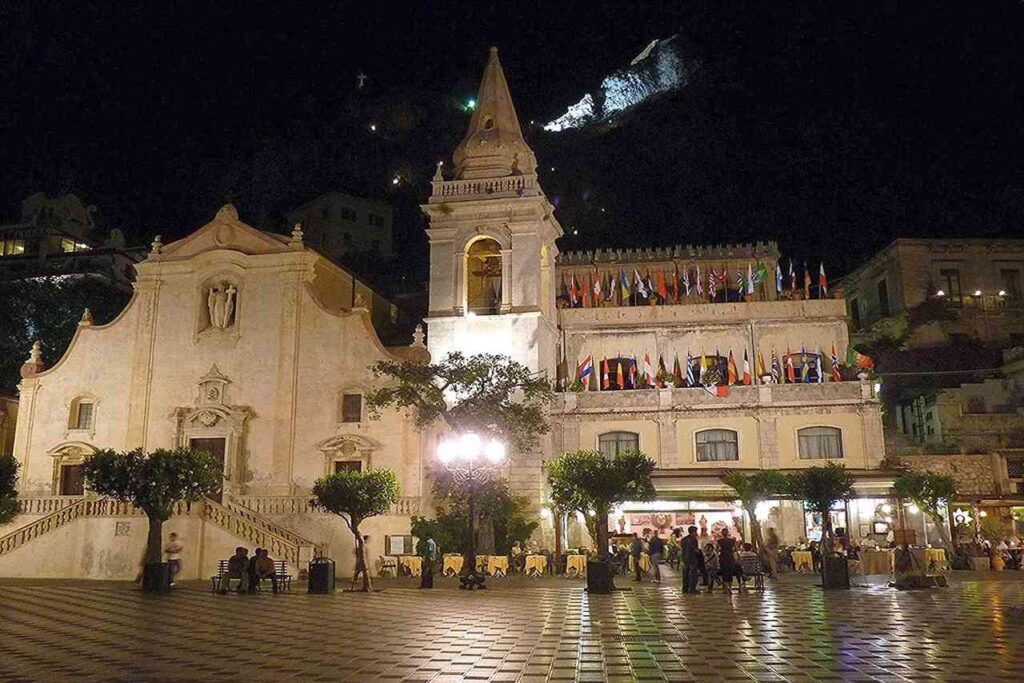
(934, 560)
(535, 565)
(575, 565)
(497, 565)
(645, 563)
(876, 561)
(803, 561)
(412, 564)
(452, 565)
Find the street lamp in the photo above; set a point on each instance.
(471, 461)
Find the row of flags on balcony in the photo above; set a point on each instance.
(717, 373)
(592, 290)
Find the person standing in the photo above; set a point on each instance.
(691, 560)
(636, 550)
(727, 560)
(173, 551)
(429, 556)
(710, 566)
(655, 549)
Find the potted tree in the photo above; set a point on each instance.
(154, 482)
(820, 487)
(356, 496)
(930, 492)
(755, 488)
(592, 484)
(8, 489)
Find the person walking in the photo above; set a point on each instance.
(711, 566)
(727, 561)
(429, 556)
(690, 552)
(173, 551)
(655, 550)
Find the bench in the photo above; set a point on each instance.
(284, 579)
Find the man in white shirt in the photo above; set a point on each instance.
(173, 551)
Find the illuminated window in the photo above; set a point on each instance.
(717, 445)
(612, 443)
(12, 247)
(483, 277)
(818, 443)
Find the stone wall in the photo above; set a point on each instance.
(976, 475)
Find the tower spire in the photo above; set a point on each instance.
(494, 146)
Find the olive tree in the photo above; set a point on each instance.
(356, 496)
(819, 488)
(154, 482)
(930, 492)
(755, 488)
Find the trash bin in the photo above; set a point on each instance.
(321, 575)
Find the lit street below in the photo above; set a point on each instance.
(518, 630)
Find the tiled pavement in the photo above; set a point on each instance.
(519, 630)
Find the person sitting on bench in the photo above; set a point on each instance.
(262, 567)
(238, 568)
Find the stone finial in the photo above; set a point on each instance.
(438, 176)
(86, 318)
(296, 241)
(228, 212)
(156, 246)
(418, 337)
(34, 365)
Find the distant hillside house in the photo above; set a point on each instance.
(336, 224)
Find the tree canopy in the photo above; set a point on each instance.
(821, 486)
(929, 491)
(357, 495)
(490, 395)
(8, 488)
(753, 488)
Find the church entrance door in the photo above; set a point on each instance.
(214, 447)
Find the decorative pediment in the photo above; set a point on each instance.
(225, 231)
(347, 444)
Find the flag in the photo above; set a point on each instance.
(851, 356)
(632, 373)
(712, 282)
(585, 294)
(836, 376)
(650, 286)
(610, 294)
(732, 370)
(619, 378)
(750, 279)
(864, 362)
(739, 280)
(677, 372)
(597, 288)
(790, 370)
(697, 284)
(574, 292)
(792, 277)
(778, 278)
(662, 289)
(822, 282)
(648, 370)
(746, 368)
(817, 366)
(606, 381)
(686, 280)
(719, 391)
(760, 364)
(585, 370)
(807, 282)
(776, 368)
(700, 368)
(690, 379)
(638, 284)
(761, 274)
(624, 281)
(675, 285)
(805, 369)
(661, 371)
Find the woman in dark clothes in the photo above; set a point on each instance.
(727, 560)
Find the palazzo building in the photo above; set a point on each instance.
(254, 347)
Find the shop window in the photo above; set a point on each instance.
(612, 443)
(82, 414)
(817, 443)
(351, 407)
(717, 445)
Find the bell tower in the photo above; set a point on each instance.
(492, 241)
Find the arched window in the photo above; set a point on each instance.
(817, 443)
(717, 445)
(612, 443)
(82, 414)
(483, 277)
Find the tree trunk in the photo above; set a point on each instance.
(556, 515)
(601, 533)
(827, 537)
(155, 541)
(755, 529)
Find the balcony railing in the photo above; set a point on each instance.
(511, 186)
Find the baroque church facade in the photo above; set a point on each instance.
(256, 348)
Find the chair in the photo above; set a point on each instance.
(387, 564)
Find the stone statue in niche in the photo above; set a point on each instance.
(221, 302)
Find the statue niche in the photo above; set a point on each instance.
(221, 305)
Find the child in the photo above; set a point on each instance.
(711, 565)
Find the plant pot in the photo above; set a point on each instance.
(599, 576)
(835, 572)
(155, 578)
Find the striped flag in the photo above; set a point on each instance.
(677, 372)
(690, 379)
(805, 368)
(822, 282)
(632, 373)
(648, 370)
(778, 278)
(638, 284)
(776, 368)
(731, 368)
(585, 370)
(836, 376)
(606, 381)
(624, 281)
(697, 284)
(790, 370)
(574, 291)
(662, 289)
(620, 380)
(746, 368)
(686, 280)
(817, 366)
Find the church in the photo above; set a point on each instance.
(256, 348)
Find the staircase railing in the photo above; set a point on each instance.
(256, 534)
(45, 505)
(259, 520)
(303, 505)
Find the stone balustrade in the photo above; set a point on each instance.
(511, 186)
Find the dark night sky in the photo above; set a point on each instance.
(830, 126)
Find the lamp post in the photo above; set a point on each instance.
(471, 461)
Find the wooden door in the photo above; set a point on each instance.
(214, 447)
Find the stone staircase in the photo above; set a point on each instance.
(246, 525)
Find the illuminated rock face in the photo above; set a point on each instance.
(660, 68)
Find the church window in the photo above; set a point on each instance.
(348, 466)
(483, 277)
(817, 443)
(717, 445)
(82, 413)
(351, 407)
(72, 480)
(612, 443)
